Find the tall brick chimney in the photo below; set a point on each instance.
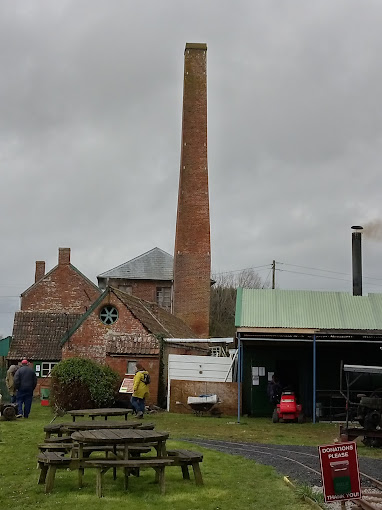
(192, 257)
(40, 270)
(63, 256)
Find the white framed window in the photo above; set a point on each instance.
(131, 367)
(216, 351)
(164, 297)
(46, 367)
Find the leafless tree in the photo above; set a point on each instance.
(223, 299)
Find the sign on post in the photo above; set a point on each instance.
(126, 386)
(340, 472)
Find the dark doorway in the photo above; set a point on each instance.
(288, 372)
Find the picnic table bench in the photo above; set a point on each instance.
(185, 458)
(104, 412)
(103, 465)
(49, 462)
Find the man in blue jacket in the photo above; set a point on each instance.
(25, 382)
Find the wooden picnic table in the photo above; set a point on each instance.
(104, 412)
(125, 437)
(104, 425)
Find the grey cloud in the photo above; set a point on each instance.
(90, 119)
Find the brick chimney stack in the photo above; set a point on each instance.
(192, 257)
(40, 270)
(63, 256)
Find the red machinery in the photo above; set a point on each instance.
(288, 409)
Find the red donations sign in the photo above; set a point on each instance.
(340, 472)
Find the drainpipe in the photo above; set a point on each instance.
(314, 378)
(238, 376)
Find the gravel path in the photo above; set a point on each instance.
(300, 463)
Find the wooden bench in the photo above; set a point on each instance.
(49, 462)
(102, 466)
(185, 458)
(55, 447)
(54, 428)
(58, 440)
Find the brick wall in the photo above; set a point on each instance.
(62, 290)
(142, 289)
(119, 364)
(192, 258)
(90, 339)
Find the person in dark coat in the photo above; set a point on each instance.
(274, 390)
(25, 381)
(9, 381)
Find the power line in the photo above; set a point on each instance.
(240, 270)
(313, 268)
(327, 277)
(326, 271)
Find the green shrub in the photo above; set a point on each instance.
(80, 383)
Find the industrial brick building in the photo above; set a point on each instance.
(49, 308)
(150, 297)
(120, 330)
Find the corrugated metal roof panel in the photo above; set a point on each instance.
(266, 308)
(155, 264)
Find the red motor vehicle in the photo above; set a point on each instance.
(288, 409)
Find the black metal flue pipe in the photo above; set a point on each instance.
(357, 260)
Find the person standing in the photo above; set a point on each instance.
(25, 381)
(10, 383)
(140, 389)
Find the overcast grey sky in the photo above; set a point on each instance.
(90, 127)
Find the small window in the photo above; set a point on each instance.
(108, 315)
(216, 351)
(131, 367)
(164, 297)
(126, 288)
(46, 368)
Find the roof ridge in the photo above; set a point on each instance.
(53, 269)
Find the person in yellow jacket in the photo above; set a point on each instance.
(140, 389)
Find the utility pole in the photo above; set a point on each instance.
(273, 273)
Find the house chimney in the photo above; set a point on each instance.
(40, 270)
(357, 260)
(192, 257)
(63, 256)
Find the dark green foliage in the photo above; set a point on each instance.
(79, 383)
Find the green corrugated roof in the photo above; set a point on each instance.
(268, 308)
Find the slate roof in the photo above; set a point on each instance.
(37, 335)
(133, 344)
(155, 264)
(297, 309)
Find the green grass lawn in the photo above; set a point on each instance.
(231, 482)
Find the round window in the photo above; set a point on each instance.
(108, 314)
